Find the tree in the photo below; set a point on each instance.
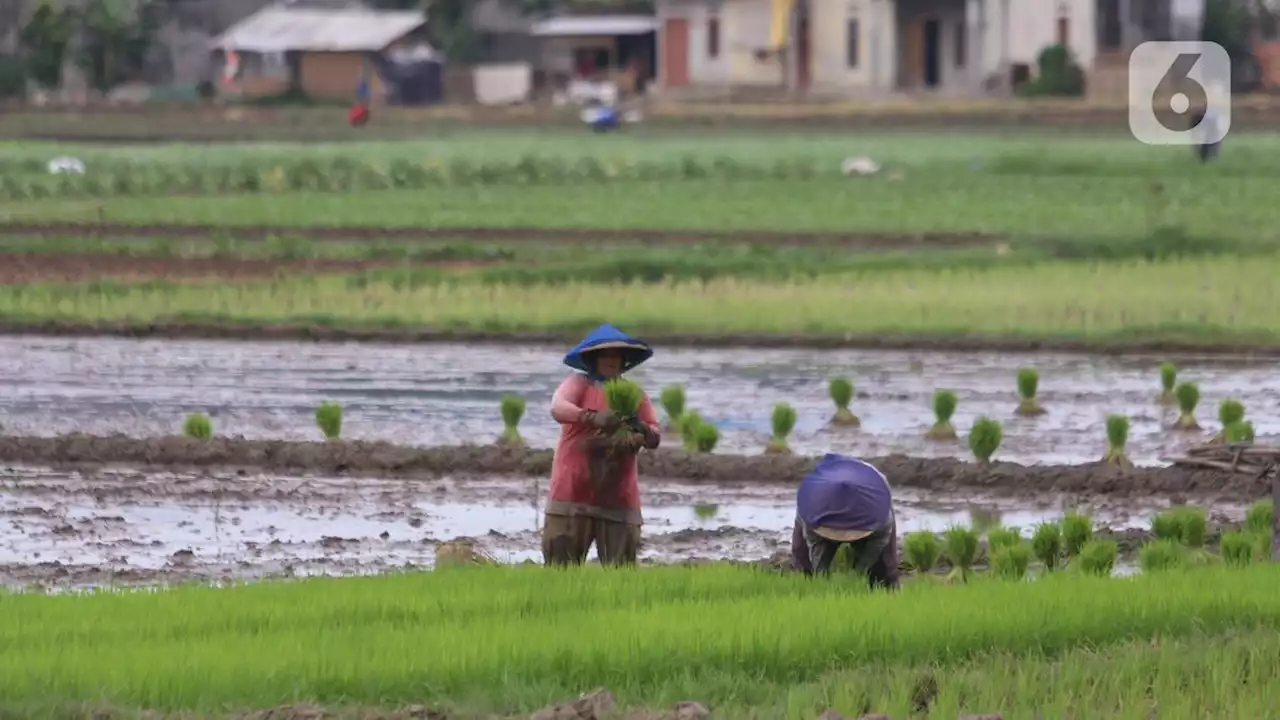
(44, 41)
(116, 37)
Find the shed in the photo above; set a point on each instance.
(597, 47)
(327, 52)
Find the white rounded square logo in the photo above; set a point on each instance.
(1179, 93)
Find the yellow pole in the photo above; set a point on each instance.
(780, 27)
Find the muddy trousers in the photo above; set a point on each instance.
(566, 540)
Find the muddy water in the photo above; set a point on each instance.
(121, 527)
(442, 394)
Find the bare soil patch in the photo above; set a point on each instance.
(384, 459)
(857, 240)
(73, 267)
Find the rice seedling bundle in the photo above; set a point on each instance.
(1117, 438)
(1230, 412)
(783, 422)
(198, 426)
(673, 403)
(1028, 384)
(1046, 544)
(1188, 396)
(944, 407)
(329, 420)
(985, 437)
(1168, 379)
(841, 391)
(1077, 531)
(512, 408)
(1160, 555)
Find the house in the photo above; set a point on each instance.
(870, 47)
(323, 50)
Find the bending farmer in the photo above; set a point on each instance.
(846, 501)
(595, 497)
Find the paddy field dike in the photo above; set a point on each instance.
(274, 439)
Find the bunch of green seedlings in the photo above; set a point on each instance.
(1168, 379)
(1046, 544)
(1240, 432)
(944, 407)
(512, 409)
(1117, 438)
(1179, 535)
(841, 390)
(198, 426)
(673, 403)
(985, 438)
(1028, 384)
(962, 550)
(784, 421)
(1230, 412)
(329, 420)
(1188, 396)
(922, 551)
(696, 434)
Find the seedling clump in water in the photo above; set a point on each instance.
(962, 550)
(1028, 384)
(329, 420)
(841, 390)
(673, 399)
(1011, 562)
(1188, 394)
(1002, 537)
(922, 550)
(1046, 542)
(1077, 531)
(1117, 438)
(1230, 412)
(1240, 432)
(784, 421)
(985, 437)
(513, 407)
(689, 423)
(1184, 524)
(1098, 557)
(1168, 379)
(706, 437)
(1161, 555)
(198, 426)
(944, 406)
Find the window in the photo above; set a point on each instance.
(852, 51)
(961, 50)
(713, 37)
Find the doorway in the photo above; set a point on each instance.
(932, 53)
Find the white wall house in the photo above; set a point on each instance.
(868, 47)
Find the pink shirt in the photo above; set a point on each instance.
(572, 492)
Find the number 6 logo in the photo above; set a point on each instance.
(1179, 93)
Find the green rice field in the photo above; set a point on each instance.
(1192, 643)
(1202, 300)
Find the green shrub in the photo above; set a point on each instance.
(944, 407)
(512, 408)
(985, 437)
(1057, 75)
(841, 390)
(329, 419)
(198, 426)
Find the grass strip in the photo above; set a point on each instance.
(512, 639)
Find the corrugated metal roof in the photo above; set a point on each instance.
(279, 28)
(571, 25)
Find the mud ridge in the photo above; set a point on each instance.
(384, 459)
(862, 240)
(231, 330)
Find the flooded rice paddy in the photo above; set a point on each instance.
(448, 394)
(120, 527)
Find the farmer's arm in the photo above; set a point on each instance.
(800, 550)
(565, 403)
(653, 426)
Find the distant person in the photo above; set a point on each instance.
(595, 492)
(846, 501)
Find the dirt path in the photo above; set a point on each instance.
(856, 240)
(392, 460)
(74, 267)
(187, 330)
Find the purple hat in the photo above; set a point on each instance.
(843, 499)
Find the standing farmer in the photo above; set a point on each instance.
(846, 501)
(595, 496)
